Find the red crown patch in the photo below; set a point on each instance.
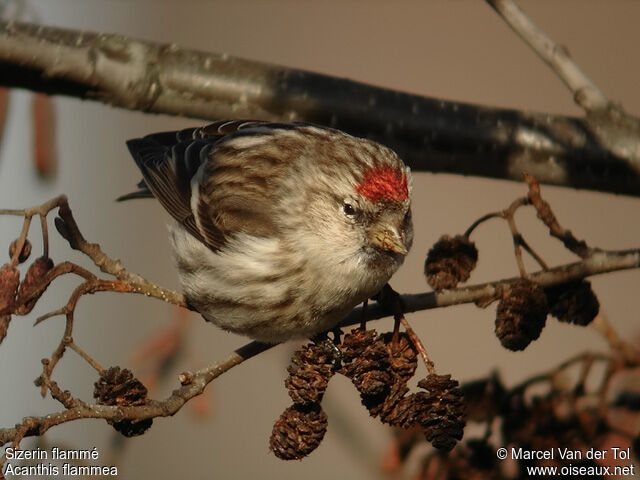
(384, 183)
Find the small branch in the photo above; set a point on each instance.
(21, 240)
(630, 354)
(584, 357)
(431, 368)
(585, 92)
(45, 235)
(73, 346)
(518, 239)
(35, 426)
(481, 220)
(509, 215)
(579, 247)
(599, 263)
(529, 249)
(68, 228)
(125, 281)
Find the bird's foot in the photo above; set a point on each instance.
(330, 345)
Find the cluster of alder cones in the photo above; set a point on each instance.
(522, 308)
(379, 366)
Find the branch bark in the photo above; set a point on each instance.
(599, 152)
(585, 93)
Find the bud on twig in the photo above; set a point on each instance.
(24, 253)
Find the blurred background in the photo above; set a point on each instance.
(452, 50)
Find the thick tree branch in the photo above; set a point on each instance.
(600, 152)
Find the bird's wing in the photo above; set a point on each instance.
(170, 161)
(210, 133)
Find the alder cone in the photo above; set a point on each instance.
(32, 280)
(395, 408)
(573, 302)
(367, 362)
(309, 373)
(119, 387)
(403, 355)
(442, 410)
(450, 261)
(298, 432)
(9, 281)
(521, 315)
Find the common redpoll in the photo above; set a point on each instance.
(281, 228)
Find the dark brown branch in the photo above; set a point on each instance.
(599, 152)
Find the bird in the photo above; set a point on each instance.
(280, 229)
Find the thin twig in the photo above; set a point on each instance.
(481, 220)
(579, 247)
(509, 215)
(585, 92)
(603, 326)
(518, 239)
(21, 241)
(74, 346)
(549, 375)
(431, 368)
(45, 235)
(529, 249)
(35, 426)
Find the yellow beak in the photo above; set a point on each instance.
(387, 237)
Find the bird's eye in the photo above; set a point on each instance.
(348, 209)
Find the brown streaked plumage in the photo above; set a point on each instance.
(281, 229)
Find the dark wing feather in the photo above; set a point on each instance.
(166, 177)
(170, 160)
(142, 192)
